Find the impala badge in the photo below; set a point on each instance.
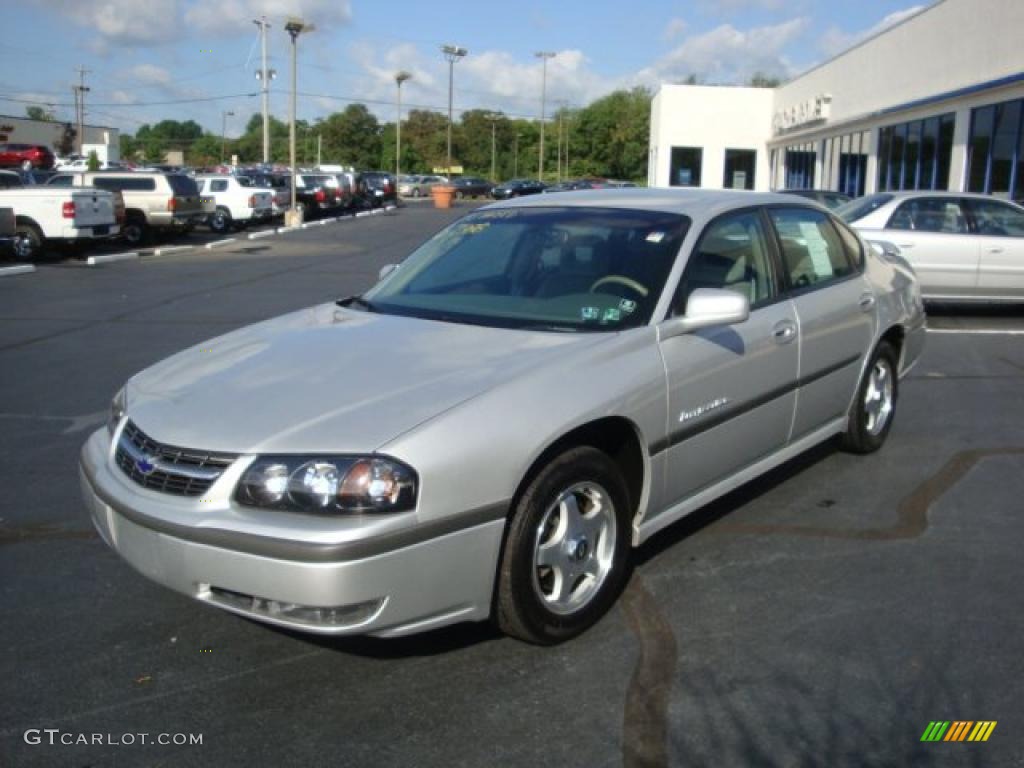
(702, 409)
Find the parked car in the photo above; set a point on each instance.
(494, 427)
(380, 187)
(238, 202)
(343, 188)
(11, 179)
(45, 215)
(155, 202)
(574, 185)
(279, 184)
(26, 156)
(826, 197)
(420, 186)
(517, 188)
(964, 247)
(315, 193)
(472, 186)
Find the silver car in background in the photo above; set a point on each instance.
(418, 186)
(496, 425)
(963, 247)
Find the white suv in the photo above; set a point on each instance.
(237, 201)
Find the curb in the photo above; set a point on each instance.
(94, 260)
(20, 269)
(172, 249)
(215, 243)
(264, 233)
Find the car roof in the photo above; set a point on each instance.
(703, 203)
(907, 193)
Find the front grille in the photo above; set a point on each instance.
(167, 468)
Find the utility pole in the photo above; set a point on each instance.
(543, 56)
(224, 133)
(515, 157)
(265, 76)
(452, 53)
(558, 172)
(319, 146)
(80, 91)
(400, 77)
(294, 27)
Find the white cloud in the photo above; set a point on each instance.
(834, 40)
(233, 18)
(673, 29)
(728, 7)
(726, 55)
(150, 74)
(123, 22)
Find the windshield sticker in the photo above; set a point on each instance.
(472, 229)
(628, 306)
(611, 315)
(590, 313)
(655, 237)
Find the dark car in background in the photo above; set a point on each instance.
(317, 193)
(26, 156)
(518, 188)
(826, 197)
(472, 186)
(380, 187)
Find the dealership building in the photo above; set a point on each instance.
(933, 102)
(61, 137)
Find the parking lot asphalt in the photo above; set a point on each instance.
(823, 615)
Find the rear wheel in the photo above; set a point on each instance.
(28, 242)
(135, 230)
(220, 221)
(566, 556)
(873, 411)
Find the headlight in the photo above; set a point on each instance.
(117, 409)
(328, 484)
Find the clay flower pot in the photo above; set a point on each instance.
(442, 195)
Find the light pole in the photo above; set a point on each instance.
(265, 75)
(400, 77)
(494, 118)
(224, 132)
(294, 27)
(452, 53)
(515, 157)
(543, 56)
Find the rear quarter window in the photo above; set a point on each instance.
(125, 183)
(182, 186)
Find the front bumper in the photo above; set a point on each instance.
(357, 587)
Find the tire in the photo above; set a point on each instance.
(28, 242)
(873, 411)
(135, 231)
(459, 196)
(220, 221)
(560, 570)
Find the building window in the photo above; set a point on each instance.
(800, 160)
(684, 170)
(853, 164)
(916, 155)
(995, 150)
(739, 169)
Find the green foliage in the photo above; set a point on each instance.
(761, 80)
(39, 113)
(351, 137)
(93, 163)
(610, 137)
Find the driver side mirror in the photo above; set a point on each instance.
(706, 308)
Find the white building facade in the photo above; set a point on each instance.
(61, 136)
(934, 102)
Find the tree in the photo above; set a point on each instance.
(35, 112)
(93, 163)
(761, 80)
(610, 136)
(351, 137)
(424, 141)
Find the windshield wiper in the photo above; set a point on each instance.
(356, 301)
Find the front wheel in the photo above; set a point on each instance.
(566, 555)
(873, 411)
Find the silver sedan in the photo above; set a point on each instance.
(963, 247)
(493, 428)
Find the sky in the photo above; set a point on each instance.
(149, 60)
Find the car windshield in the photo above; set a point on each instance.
(551, 268)
(855, 210)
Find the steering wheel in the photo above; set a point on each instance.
(621, 280)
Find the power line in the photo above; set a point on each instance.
(135, 104)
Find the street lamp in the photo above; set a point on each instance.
(543, 56)
(494, 118)
(400, 77)
(294, 27)
(452, 53)
(224, 131)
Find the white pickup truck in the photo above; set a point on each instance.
(48, 214)
(238, 203)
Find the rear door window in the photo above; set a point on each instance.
(944, 215)
(996, 219)
(181, 185)
(813, 253)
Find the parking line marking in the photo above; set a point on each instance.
(94, 260)
(980, 331)
(283, 230)
(20, 269)
(221, 242)
(264, 233)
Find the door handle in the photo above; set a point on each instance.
(995, 250)
(784, 332)
(905, 245)
(867, 301)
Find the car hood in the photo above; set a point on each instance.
(329, 379)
